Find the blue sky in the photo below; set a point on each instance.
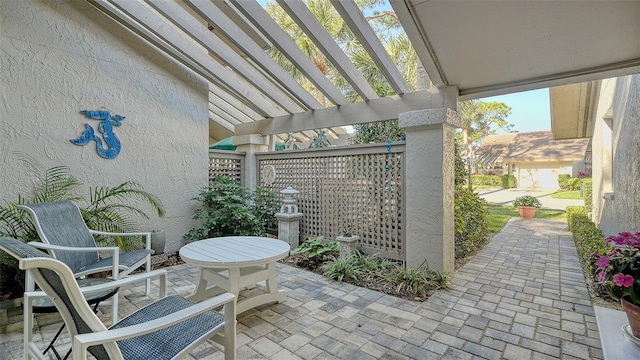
(530, 110)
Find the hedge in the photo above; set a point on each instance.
(508, 181)
(471, 226)
(588, 239)
(587, 191)
(504, 181)
(574, 184)
(563, 181)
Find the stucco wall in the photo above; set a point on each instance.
(60, 57)
(621, 212)
(601, 147)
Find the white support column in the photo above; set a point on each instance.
(250, 145)
(430, 187)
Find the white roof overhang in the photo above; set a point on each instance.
(488, 48)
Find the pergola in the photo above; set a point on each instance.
(469, 49)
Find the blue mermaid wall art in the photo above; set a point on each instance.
(109, 145)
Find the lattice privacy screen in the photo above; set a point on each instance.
(355, 189)
(224, 163)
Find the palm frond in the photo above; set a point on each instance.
(99, 196)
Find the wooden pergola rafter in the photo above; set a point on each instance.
(249, 91)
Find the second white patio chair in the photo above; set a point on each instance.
(67, 238)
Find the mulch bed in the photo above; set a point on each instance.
(380, 284)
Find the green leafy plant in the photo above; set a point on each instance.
(228, 209)
(573, 183)
(343, 267)
(317, 247)
(588, 194)
(470, 223)
(373, 264)
(508, 181)
(563, 181)
(266, 204)
(527, 200)
(419, 280)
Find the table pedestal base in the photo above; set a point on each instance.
(214, 281)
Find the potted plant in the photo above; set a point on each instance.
(527, 206)
(619, 271)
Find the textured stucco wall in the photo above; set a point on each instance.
(60, 57)
(622, 212)
(601, 147)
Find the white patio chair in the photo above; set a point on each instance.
(169, 328)
(67, 238)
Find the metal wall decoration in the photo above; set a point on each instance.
(110, 147)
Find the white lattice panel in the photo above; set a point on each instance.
(356, 189)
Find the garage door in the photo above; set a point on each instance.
(544, 177)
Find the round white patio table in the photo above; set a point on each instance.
(228, 264)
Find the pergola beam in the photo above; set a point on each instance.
(270, 29)
(360, 27)
(212, 14)
(200, 33)
(303, 17)
(181, 46)
(233, 102)
(361, 112)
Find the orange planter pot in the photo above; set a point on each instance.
(527, 212)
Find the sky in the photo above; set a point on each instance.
(530, 110)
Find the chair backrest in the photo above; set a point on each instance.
(58, 282)
(61, 223)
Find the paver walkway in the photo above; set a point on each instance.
(522, 297)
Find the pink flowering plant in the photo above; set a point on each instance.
(619, 269)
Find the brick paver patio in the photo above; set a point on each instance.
(522, 297)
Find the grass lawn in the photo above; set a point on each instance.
(500, 214)
(573, 195)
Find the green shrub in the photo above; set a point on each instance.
(346, 267)
(317, 247)
(574, 183)
(508, 181)
(587, 187)
(588, 239)
(563, 181)
(486, 180)
(471, 226)
(574, 211)
(229, 208)
(418, 281)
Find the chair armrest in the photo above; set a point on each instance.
(146, 234)
(41, 245)
(83, 341)
(161, 273)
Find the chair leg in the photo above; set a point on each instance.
(230, 330)
(148, 268)
(27, 324)
(114, 309)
